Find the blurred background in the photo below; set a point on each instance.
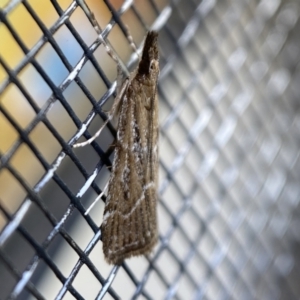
(229, 148)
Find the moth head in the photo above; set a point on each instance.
(149, 64)
(154, 66)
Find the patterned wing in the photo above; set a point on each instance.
(129, 225)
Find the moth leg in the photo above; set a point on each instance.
(96, 200)
(120, 81)
(112, 112)
(99, 32)
(120, 78)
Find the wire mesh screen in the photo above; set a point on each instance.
(229, 148)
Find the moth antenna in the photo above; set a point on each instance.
(108, 49)
(131, 42)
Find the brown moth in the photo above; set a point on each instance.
(129, 226)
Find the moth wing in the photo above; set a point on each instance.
(129, 225)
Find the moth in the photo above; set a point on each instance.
(129, 226)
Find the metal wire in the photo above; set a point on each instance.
(229, 149)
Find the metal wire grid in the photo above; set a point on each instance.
(229, 193)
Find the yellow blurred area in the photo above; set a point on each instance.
(3, 3)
